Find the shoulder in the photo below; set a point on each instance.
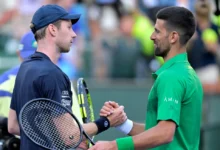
(49, 79)
(181, 73)
(169, 74)
(40, 68)
(171, 78)
(46, 76)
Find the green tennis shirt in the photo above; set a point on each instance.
(177, 95)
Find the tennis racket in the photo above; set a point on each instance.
(85, 102)
(51, 125)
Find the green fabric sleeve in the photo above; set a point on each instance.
(170, 92)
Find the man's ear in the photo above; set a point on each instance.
(174, 37)
(52, 29)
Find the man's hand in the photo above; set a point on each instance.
(108, 108)
(114, 113)
(104, 145)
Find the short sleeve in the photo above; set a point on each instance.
(170, 92)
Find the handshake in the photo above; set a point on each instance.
(114, 113)
(116, 116)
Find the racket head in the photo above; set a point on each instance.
(50, 125)
(85, 101)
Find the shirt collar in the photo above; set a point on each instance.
(39, 55)
(178, 58)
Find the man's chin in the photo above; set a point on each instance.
(157, 52)
(65, 51)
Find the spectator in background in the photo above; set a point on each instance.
(27, 47)
(26, 9)
(103, 18)
(82, 26)
(142, 30)
(110, 12)
(83, 34)
(8, 12)
(151, 7)
(125, 50)
(204, 46)
(96, 58)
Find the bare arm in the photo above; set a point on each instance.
(137, 129)
(162, 133)
(90, 128)
(13, 126)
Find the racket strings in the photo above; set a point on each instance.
(51, 126)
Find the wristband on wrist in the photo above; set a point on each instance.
(125, 127)
(125, 143)
(102, 124)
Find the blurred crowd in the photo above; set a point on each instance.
(113, 37)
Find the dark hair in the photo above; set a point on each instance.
(179, 19)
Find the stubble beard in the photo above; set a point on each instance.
(161, 52)
(64, 50)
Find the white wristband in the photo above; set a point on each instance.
(125, 127)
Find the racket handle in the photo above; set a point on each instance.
(91, 141)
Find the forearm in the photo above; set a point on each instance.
(153, 137)
(15, 130)
(13, 126)
(90, 128)
(96, 127)
(160, 134)
(137, 129)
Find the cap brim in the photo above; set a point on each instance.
(26, 54)
(73, 17)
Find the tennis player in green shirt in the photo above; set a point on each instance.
(175, 101)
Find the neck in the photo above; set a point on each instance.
(175, 50)
(48, 49)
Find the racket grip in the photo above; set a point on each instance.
(92, 142)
